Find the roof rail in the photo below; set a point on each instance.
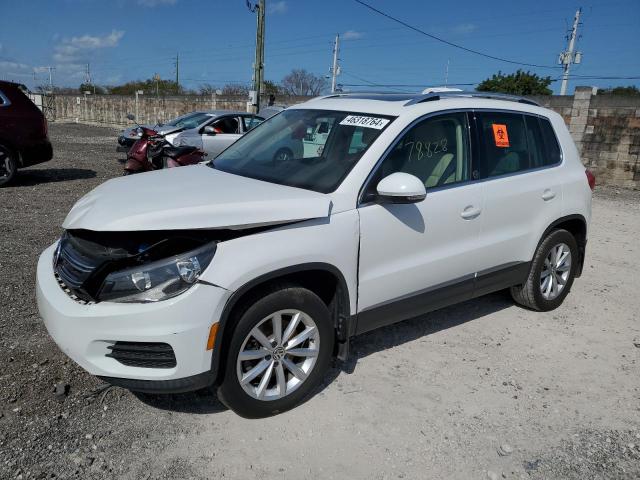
(429, 97)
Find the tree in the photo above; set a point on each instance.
(207, 89)
(90, 87)
(271, 88)
(630, 91)
(235, 89)
(518, 83)
(149, 87)
(301, 82)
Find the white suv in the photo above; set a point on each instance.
(251, 273)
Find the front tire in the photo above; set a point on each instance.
(8, 166)
(279, 351)
(552, 273)
(283, 155)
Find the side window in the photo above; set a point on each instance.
(552, 148)
(251, 122)
(435, 150)
(537, 154)
(226, 125)
(1, 98)
(503, 144)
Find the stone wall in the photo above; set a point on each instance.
(606, 128)
(113, 109)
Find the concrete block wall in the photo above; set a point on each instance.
(606, 128)
(113, 109)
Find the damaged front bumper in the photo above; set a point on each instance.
(88, 333)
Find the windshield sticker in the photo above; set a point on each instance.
(368, 122)
(500, 135)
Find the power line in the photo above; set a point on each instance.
(447, 42)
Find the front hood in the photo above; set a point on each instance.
(195, 197)
(161, 129)
(166, 129)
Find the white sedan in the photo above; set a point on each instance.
(215, 135)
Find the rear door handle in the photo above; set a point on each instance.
(548, 194)
(470, 212)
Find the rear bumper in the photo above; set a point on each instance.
(35, 153)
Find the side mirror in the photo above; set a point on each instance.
(401, 187)
(209, 130)
(131, 116)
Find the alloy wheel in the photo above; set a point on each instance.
(6, 165)
(278, 355)
(555, 272)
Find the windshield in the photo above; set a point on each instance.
(191, 120)
(311, 149)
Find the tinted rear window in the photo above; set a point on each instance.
(553, 154)
(514, 142)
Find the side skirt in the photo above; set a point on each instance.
(441, 296)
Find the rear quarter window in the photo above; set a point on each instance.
(552, 147)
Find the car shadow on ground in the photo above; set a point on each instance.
(30, 178)
(424, 325)
(205, 401)
(201, 401)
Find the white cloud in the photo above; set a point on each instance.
(79, 49)
(352, 35)
(277, 7)
(464, 28)
(15, 67)
(156, 3)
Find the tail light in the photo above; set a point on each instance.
(591, 179)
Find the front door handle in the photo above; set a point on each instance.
(548, 194)
(470, 212)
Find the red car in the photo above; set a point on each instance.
(23, 132)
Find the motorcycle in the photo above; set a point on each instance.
(153, 152)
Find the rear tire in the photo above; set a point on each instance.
(551, 274)
(8, 166)
(288, 370)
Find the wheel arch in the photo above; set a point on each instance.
(575, 224)
(324, 279)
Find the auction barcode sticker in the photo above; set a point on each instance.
(368, 122)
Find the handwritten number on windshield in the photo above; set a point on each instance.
(420, 149)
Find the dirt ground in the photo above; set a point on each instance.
(480, 390)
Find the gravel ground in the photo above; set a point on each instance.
(479, 390)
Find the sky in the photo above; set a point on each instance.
(126, 40)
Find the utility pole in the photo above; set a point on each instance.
(258, 66)
(177, 73)
(446, 73)
(87, 78)
(567, 57)
(51, 69)
(335, 68)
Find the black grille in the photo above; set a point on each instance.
(73, 267)
(143, 354)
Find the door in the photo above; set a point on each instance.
(418, 257)
(227, 130)
(522, 190)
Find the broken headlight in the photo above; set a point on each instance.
(159, 280)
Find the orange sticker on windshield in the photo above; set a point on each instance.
(500, 135)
